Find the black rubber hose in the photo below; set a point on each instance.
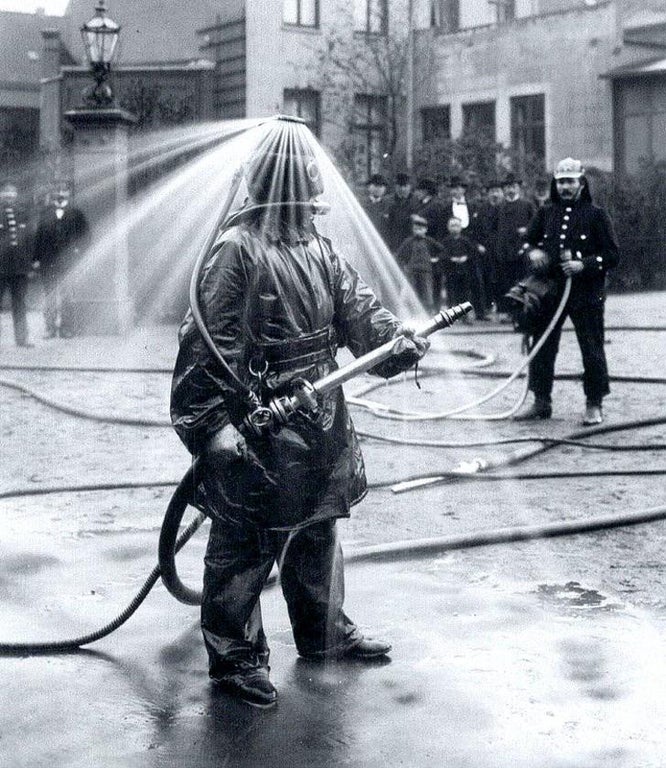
(170, 544)
(63, 646)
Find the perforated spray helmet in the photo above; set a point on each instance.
(283, 167)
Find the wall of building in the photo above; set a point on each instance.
(560, 55)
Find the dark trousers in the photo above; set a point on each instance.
(237, 563)
(421, 281)
(588, 322)
(18, 287)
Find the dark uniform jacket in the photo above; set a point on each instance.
(434, 211)
(512, 216)
(378, 213)
(283, 305)
(585, 230)
(15, 242)
(57, 241)
(399, 220)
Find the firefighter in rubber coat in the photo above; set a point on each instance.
(572, 237)
(278, 301)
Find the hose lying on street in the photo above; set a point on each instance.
(394, 551)
(171, 542)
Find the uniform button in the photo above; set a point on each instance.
(568, 210)
(599, 258)
(562, 237)
(565, 226)
(566, 218)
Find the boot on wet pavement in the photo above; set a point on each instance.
(367, 649)
(593, 415)
(250, 685)
(540, 409)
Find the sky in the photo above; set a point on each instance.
(52, 7)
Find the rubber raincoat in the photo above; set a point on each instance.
(277, 308)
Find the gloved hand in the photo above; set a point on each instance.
(538, 260)
(572, 267)
(408, 349)
(409, 344)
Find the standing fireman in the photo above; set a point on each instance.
(277, 301)
(15, 259)
(573, 238)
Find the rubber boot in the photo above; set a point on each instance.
(541, 408)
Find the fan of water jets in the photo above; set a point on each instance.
(167, 222)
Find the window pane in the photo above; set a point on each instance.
(377, 16)
(309, 13)
(361, 15)
(290, 12)
(479, 118)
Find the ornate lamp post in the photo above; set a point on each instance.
(100, 38)
(100, 148)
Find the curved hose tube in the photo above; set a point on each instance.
(390, 413)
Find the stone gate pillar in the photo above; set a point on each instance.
(103, 302)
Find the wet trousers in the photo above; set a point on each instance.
(18, 287)
(588, 322)
(237, 563)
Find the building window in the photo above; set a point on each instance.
(436, 123)
(305, 104)
(371, 16)
(479, 119)
(642, 123)
(369, 133)
(301, 13)
(445, 15)
(505, 9)
(528, 126)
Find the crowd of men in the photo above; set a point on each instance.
(453, 246)
(46, 243)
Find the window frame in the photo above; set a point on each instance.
(367, 31)
(300, 95)
(530, 126)
(371, 131)
(298, 24)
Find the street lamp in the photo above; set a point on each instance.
(100, 38)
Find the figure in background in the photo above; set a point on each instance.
(277, 300)
(417, 256)
(376, 204)
(458, 256)
(401, 208)
(15, 258)
(572, 237)
(433, 210)
(484, 225)
(62, 235)
(468, 214)
(513, 216)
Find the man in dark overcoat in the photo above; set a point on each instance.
(62, 235)
(513, 216)
(572, 238)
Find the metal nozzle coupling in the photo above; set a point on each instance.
(448, 317)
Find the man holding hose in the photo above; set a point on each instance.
(277, 301)
(572, 238)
